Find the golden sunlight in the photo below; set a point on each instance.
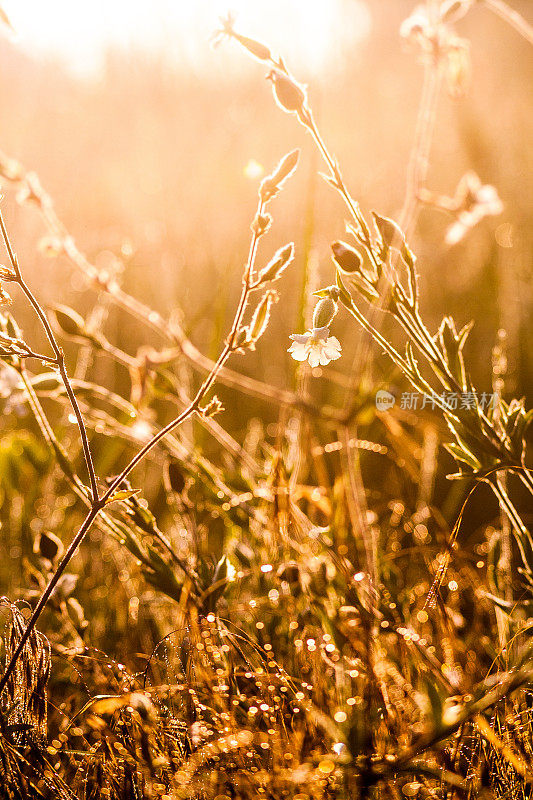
(80, 33)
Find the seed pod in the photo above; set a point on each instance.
(390, 231)
(288, 94)
(278, 264)
(273, 183)
(348, 259)
(324, 312)
(261, 315)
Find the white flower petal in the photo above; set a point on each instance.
(314, 358)
(331, 354)
(298, 351)
(333, 342)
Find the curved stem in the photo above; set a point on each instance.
(98, 503)
(512, 17)
(59, 357)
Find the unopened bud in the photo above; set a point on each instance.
(324, 312)
(278, 264)
(390, 231)
(288, 94)
(273, 183)
(69, 321)
(260, 51)
(261, 315)
(348, 259)
(5, 297)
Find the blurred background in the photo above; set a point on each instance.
(152, 143)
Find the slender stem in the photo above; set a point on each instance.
(194, 405)
(522, 535)
(512, 17)
(43, 600)
(527, 479)
(98, 503)
(419, 158)
(59, 357)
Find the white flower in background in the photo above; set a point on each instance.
(474, 201)
(315, 346)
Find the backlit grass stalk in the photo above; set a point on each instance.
(487, 447)
(98, 502)
(14, 173)
(512, 17)
(59, 359)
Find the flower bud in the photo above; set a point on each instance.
(69, 321)
(278, 264)
(324, 312)
(273, 183)
(261, 315)
(390, 231)
(288, 94)
(260, 51)
(348, 259)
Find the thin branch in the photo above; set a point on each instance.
(98, 503)
(59, 357)
(512, 17)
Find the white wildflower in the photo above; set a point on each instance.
(315, 346)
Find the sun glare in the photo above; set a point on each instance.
(80, 33)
